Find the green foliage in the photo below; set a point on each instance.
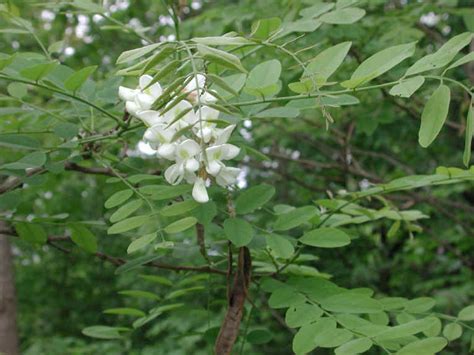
(332, 205)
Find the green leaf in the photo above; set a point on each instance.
(316, 10)
(102, 332)
(407, 87)
(137, 53)
(77, 79)
(38, 71)
(56, 47)
(139, 294)
(32, 160)
(325, 238)
(264, 75)
(126, 210)
(141, 242)
(125, 312)
(285, 297)
(343, 16)
(441, 57)
(305, 339)
(259, 336)
(434, 329)
(351, 302)
(326, 63)
(138, 262)
(302, 314)
(128, 224)
(262, 29)
(223, 58)
(164, 192)
(118, 198)
(463, 60)
(294, 218)
(222, 41)
(32, 233)
(17, 90)
(419, 305)
(356, 346)
(279, 112)
(157, 279)
(467, 313)
(379, 63)
(164, 52)
(333, 338)
(66, 130)
(466, 158)
(238, 231)
(18, 141)
(83, 238)
(178, 208)
(180, 225)
(429, 346)
(452, 331)
(280, 246)
(88, 5)
(434, 115)
(253, 198)
(405, 329)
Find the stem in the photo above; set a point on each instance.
(309, 96)
(61, 92)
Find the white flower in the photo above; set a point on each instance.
(217, 153)
(187, 119)
(199, 190)
(142, 98)
(227, 176)
(205, 128)
(193, 90)
(150, 117)
(159, 137)
(147, 95)
(185, 161)
(222, 135)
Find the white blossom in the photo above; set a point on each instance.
(197, 153)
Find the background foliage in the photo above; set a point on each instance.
(307, 158)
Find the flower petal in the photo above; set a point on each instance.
(174, 174)
(188, 149)
(208, 98)
(131, 107)
(215, 152)
(208, 113)
(214, 167)
(199, 191)
(224, 134)
(144, 81)
(227, 176)
(191, 86)
(167, 151)
(150, 117)
(144, 101)
(230, 151)
(155, 90)
(127, 94)
(191, 165)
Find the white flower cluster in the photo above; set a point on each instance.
(197, 154)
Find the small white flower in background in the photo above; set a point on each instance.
(198, 153)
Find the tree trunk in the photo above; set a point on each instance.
(8, 330)
(230, 326)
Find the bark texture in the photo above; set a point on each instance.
(8, 329)
(230, 326)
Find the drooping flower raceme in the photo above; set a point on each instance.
(186, 134)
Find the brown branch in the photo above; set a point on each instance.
(120, 261)
(231, 324)
(200, 238)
